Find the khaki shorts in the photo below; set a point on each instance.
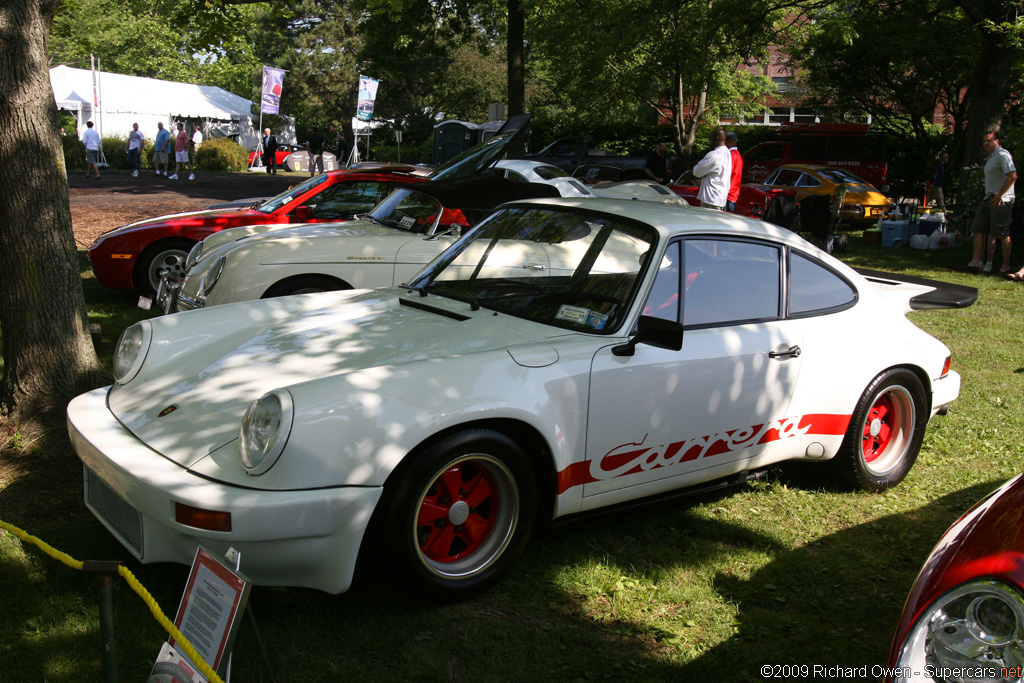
(181, 157)
(994, 221)
(159, 157)
(935, 196)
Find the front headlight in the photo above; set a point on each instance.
(193, 256)
(131, 350)
(212, 275)
(971, 633)
(264, 431)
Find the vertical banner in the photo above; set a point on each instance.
(367, 95)
(273, 82)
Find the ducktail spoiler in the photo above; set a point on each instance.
(938, 295)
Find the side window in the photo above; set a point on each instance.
(728, 282)
(663, 301)
(516, 177)
(807, 180)
(344, 200)
(785, 177)
(815, 289)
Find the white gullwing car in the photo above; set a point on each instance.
(564, 356)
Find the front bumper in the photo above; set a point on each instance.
(303, 538)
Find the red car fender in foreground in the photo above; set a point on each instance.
(986, 543)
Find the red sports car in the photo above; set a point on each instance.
(964, 618)
(754, 199)
(132, 256)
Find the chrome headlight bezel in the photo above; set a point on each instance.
(131, 351)
(194, 255)
(264, 431)
(981, 616)
(212, 276)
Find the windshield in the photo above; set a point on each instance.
(568, 268)
(408, 210)
(272, 205)
(475, 158)
(838, 175)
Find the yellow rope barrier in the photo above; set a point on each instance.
(154, 608)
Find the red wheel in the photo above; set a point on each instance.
(885, 432)
(455, 516)
(467, 515)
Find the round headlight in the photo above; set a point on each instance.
(264, 431)
(974, 628)
(131, 351)
(212, 276)
(194, 255)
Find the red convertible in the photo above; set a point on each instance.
(132, 256)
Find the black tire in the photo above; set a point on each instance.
(304, 284)
(454, 518)
(885, 432)
(167, 254)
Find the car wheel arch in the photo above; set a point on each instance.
(142, 263)
(280, 287)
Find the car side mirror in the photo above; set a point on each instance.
(664, 334)
(303, 214)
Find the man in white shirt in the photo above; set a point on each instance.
(715, 172)
(995, 214)
(92, 142)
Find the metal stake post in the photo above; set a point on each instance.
(105, 571)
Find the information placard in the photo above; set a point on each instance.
(208, 615)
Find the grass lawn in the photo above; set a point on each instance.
(707, 588)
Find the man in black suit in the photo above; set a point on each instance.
(270, 151)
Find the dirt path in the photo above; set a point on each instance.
(117, 198)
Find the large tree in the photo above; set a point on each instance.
(682, 59)
(47, 352)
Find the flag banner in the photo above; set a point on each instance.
(273, 82)
(367, 95)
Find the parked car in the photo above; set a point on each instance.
(135, 255)
(848, 146)
(563, 356)
(964, 617)
(570, 153)
(132, 256)
(862, 203)
(295, 158)
(754, 200)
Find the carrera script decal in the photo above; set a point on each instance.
(631, 458)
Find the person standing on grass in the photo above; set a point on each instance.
(92, 142)
(715, 173)
(992, 221)
(181, 153)
(736, 178)
(134, 149)
(161, 148)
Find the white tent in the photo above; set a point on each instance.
(125, 100)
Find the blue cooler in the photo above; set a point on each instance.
(895, 233)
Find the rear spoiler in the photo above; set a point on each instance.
(938, 295)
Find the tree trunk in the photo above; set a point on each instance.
(47, 352)
(989, 91)
(516, 67)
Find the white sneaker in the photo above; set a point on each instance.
(987, 268)
(173, 177)
(192, 176)
(135, 174)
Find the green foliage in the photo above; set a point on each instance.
(74, 153)
(221, 154)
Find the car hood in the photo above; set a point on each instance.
(205, 367)
(208, 217)
(256, 234)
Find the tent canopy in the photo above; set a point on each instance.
(125, 100)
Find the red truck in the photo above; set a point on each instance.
(849, 146)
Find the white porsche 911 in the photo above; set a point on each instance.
(564, 356)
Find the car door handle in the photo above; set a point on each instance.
(534, 266)
(791, 352)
